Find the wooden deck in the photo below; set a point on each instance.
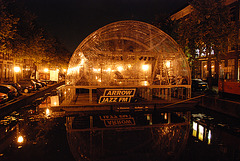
(82, 103)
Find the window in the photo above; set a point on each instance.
(230, 69)
(238, 69)
(221, 68)
(204, 70)
(233, 13)
(213, 68)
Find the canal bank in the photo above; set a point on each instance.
(26, 99)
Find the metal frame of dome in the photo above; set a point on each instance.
(128, 54)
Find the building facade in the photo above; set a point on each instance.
(6, 67)
(229, 65)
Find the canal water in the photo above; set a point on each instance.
(41, 132)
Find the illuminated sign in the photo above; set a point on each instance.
(119, 92)
(117, 120)
(117, 96)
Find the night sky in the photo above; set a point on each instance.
(73, 20)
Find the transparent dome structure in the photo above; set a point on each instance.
(128, 53)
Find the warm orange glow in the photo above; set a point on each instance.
(168, 64)
(20, 139)
(48, 112)
(145, 67)
(120, 68)
(46, 70)
(16, 69)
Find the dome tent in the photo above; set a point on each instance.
(128, 53)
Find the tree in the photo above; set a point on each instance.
(7, 28)
(166, 24)
(31, 40)
(207, 28)
(23, 38)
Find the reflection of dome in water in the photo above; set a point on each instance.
(150, 137)
(166, 142)
(127, 53)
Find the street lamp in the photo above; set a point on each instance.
(145, 67)
(16, 71)
(168, 64)
(46, 71)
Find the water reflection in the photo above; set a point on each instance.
(128, 136)
(39, 132)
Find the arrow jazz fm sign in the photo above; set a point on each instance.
(117, 96)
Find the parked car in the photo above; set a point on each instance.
(9, 90)
(3, 97)
(15, 85)
(199, 85)
(27, 86)
(38, 85)
(41, 82)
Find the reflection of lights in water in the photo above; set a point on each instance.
(54, 101)
(194, 133)
(194, 126)
(165, 116)
(200, 133)
(149, 118)
(20, 139)
(48, 112)
(209, 137)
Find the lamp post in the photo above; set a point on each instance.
(46, 71)
(16, 71)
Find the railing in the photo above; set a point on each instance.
(165, 92)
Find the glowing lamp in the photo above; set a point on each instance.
(46, 70)
(20, 139)
(145, 67)
(120, 68)
(16, 69)
(168, 64)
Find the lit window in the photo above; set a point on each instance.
(201, 132)
(194, 133)
(209, 137)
